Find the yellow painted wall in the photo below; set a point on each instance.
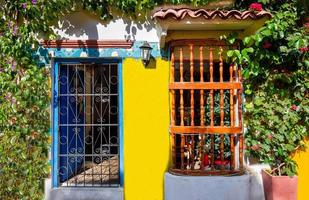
(302, 159)
(146, 123)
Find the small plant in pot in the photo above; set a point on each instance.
(275, 132)
(276, 86)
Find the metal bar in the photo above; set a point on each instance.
(80, 155)
(88, 124)
(83, 95)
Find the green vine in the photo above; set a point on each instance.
(276, 80)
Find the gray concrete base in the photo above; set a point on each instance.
(86, 194)
(256, 182)
(206, 187)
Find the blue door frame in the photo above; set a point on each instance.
(55, 110)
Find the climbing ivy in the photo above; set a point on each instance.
(275, 64)
(25, 87)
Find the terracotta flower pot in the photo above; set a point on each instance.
(279, 187)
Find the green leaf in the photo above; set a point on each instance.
(230, 53)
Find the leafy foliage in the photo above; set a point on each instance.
(276, 80)
(25, 88)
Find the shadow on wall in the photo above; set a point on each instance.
(84, 25)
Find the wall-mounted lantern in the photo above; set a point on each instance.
(146, 52)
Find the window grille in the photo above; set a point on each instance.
(88, 125)
(206, 110)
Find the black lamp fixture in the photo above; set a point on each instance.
(146, 52)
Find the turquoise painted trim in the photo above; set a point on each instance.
(55, 125)
(55, 111)
(116, 53)
(121, 138)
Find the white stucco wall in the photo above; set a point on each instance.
(83, 26)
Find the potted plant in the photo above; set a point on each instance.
(275, 82)
(276, 130)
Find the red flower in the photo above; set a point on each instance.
(270, 136)
(294, 107)
(267, 45)
(206, 160)
(255, 147)
(307, 25)
(219, 162)
(304, 49)
(256, 6)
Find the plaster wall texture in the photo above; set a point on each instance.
(146, 125)
(83, 26)
(86, 194)
(302, 159)
(207, 188)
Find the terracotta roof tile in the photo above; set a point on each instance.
(180, 14)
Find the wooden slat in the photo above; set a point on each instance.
(231, 97)
(201, 65)
(221, 65)
(199, 42)
(181, 109)
(191, 80)
(239, 94)
(192, 107)
(221, 109)
(205, 85)
(182, 150)
(172, 76)
(241, 137)
(221, 91)
(173, 141)
(188, 149)
(211, 64)
(173, 113)
(241, 156)
(202, 151)
(193, 153)
(205, 173)
(205, 129)
(222, 150)
(181, 64)
(202, 111)
(232, 152)
(181, 91)
(232, 137)
(191, 63)
(211, 95)
(212, 151)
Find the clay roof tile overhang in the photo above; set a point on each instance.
(182, 19)
(180, 14)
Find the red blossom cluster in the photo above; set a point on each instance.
(256, 6)
(267, 45)
(294, 107)
(255, 147)
(304, 49)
